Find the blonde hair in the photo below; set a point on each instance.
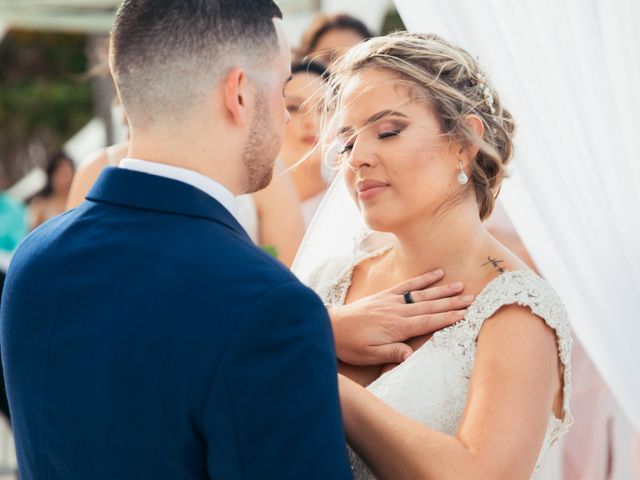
(454, 86)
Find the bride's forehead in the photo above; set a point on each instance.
(370, 85)
(362, 96)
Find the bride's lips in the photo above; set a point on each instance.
(367, 189)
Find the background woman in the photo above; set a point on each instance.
(328, 36)
(299, 149)
(52, 200)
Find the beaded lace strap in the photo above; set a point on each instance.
(525, 288)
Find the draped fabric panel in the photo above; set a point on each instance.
(569, 71)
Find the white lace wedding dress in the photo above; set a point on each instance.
(431, 386)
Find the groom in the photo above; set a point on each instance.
(143, 335)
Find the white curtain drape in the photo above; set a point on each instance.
(569, 70)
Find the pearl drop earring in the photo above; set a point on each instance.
(462, 177)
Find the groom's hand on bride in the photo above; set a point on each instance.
(372, 330)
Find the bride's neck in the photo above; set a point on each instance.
(456, 240)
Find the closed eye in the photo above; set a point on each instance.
(381, 136)
(345, 149)
(391, 133)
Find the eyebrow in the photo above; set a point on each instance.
(374, 118)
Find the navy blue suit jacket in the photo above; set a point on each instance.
(145, 337)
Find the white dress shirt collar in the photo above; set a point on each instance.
(195, 179)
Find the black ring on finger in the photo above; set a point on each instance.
(408, 299)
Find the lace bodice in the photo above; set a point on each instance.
(431, 385)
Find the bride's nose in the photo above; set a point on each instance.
(360, 156)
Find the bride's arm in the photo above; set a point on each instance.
(514, 386)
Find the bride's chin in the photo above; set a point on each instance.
(378, 222)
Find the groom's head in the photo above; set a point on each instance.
(210, 71)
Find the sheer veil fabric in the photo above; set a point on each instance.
(332, 233)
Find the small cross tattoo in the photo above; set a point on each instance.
(495, 263)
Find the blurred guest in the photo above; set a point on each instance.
(277, 222)
(52, 200)
(636, 454)
(13, 228)
(13, 223)
(90, 168)
(271, 217)
(330, 35)
(589, 447)
(299, 149)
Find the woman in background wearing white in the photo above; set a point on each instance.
(299, 149)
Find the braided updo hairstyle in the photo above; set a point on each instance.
(451, 82)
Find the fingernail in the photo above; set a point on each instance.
(468, 298)
(456, 285)
(438, 272)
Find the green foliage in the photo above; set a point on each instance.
(44, 95)
(392, 22)
(271, 250)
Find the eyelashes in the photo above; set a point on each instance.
(381, 136)
(392, 133)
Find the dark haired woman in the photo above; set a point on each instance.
(52, 200)
(330, 35)
(299, 152)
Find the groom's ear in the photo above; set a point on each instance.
(236, 91)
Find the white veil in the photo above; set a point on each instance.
(331, 232)
(336, 231)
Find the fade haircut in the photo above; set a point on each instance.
(166, 56)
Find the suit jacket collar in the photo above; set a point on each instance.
(129, 188)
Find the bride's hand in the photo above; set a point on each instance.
(372, 330)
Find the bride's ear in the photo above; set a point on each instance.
(475, 123)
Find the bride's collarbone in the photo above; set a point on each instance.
(376, 274)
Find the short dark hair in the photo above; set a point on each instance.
(323, 24)
(309, 66)
(158, 46)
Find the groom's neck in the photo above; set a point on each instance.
(208, 153)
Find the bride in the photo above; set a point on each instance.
(424, 141)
